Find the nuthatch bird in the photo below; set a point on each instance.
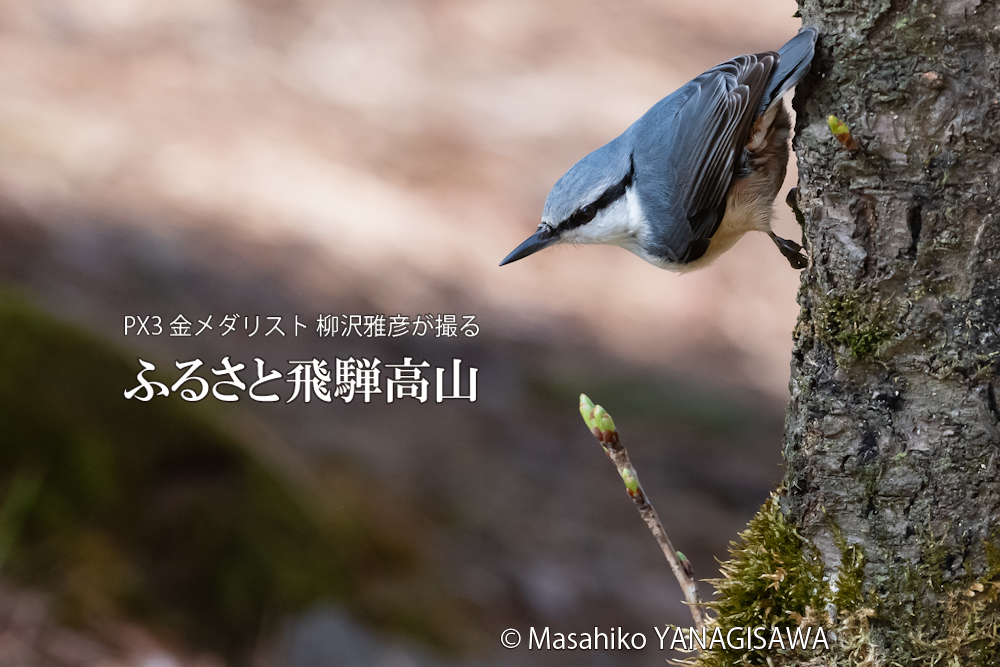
(696, 172)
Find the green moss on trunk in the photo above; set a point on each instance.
(774, 578)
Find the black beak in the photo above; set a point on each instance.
(538, 241)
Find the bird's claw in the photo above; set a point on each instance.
(792, 200)
(792, 252)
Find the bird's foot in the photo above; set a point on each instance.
(792, 200)
(791, 250)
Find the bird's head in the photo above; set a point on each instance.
(593, 202)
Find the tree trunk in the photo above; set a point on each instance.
(892, 435)
(892, 442)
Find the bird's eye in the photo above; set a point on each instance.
(588, 212)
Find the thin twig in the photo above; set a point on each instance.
(603, 428)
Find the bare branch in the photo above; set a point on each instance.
(603, 428)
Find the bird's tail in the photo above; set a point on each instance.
(794, 60)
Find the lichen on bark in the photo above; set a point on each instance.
(892, 437)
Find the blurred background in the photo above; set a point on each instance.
(268, 158)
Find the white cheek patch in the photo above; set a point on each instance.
(618, 224)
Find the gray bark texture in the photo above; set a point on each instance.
(892, 436)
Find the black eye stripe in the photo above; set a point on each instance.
(587, 213)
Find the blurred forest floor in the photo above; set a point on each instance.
(357, 157)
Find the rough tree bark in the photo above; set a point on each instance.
(886, 532)
(893, 433)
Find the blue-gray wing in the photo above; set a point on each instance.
(688, 148)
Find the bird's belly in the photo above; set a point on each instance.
(743, 214)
